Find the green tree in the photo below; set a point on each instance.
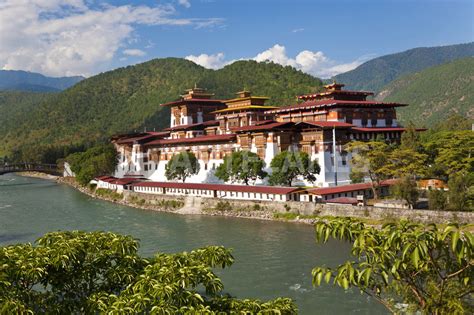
(241, 166)
(460, 194)
(370, 159)
(410, 138)
(437, 199)
(181, 166)
(288, 165)
(406, 189)
(451, 151)
(96, 161)
(90, 273)
(356, 177)
(425, 266)
(403, 162)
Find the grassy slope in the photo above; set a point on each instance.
(434, 93)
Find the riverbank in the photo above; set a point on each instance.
(297, 212)
(38, 175)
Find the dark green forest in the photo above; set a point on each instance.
(128, 99)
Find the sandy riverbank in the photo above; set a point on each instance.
(38, 175)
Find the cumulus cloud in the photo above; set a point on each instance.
(313, 62)
(185, 3)
(134, 52)
(74, 37)
(209, 61)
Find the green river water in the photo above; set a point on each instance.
(272, 258)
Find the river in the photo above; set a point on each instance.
(272, 258)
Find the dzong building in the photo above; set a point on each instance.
(319, 124)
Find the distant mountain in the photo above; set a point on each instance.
(34, 82)
(378, 72)
(128, 99)
(434, 93)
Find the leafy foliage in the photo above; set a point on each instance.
(288, 166)
(96, 161)
(128, 99)
(426, 267)
(376, 73)
(97, 272)
(461, 194)
(434, 93)
(241, 166)
(369, 158)
(406, 189)
(181, 166)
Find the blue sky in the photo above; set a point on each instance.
(70, 37)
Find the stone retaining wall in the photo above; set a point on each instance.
(265, 209)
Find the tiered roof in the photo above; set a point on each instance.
(195, 95)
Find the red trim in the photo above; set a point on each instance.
(270, 126)
(200, 139)
(383, 129)
(134, 138)
(221, 187)
(347, 188)
(331, 103)
(190, 126)
(327, 124)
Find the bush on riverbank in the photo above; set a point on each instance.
(108, 194)
(97, 272)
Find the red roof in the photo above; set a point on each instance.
(199, 139)
(274, 125)
(348, 92)
(194, 100)
(221, 187)
(327, 124)
(135, 138)
(126, 181)
(331, 103)
(107, 179)
(343, 200)
(347, 188)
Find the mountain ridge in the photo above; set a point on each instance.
(378, 72)
(20, 80)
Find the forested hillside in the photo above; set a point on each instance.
(378, 72)
(434, 93)
(34, 82)
(128, 99)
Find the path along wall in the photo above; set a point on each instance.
(265, 209)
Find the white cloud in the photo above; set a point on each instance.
(209, 61)
(313, 62)
(185, 3)
(297, 30)
(134, 52)
(74, 37)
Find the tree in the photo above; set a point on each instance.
(288, 165)
(356, 177)
(406, 189)
(437, 199)
(410, 138)
(425, 266)
(241, 166)
(370, 159)
(403, 162)
(459, 194)
(451, 151)
(97, 272)
(181, 166)
(96, 161)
